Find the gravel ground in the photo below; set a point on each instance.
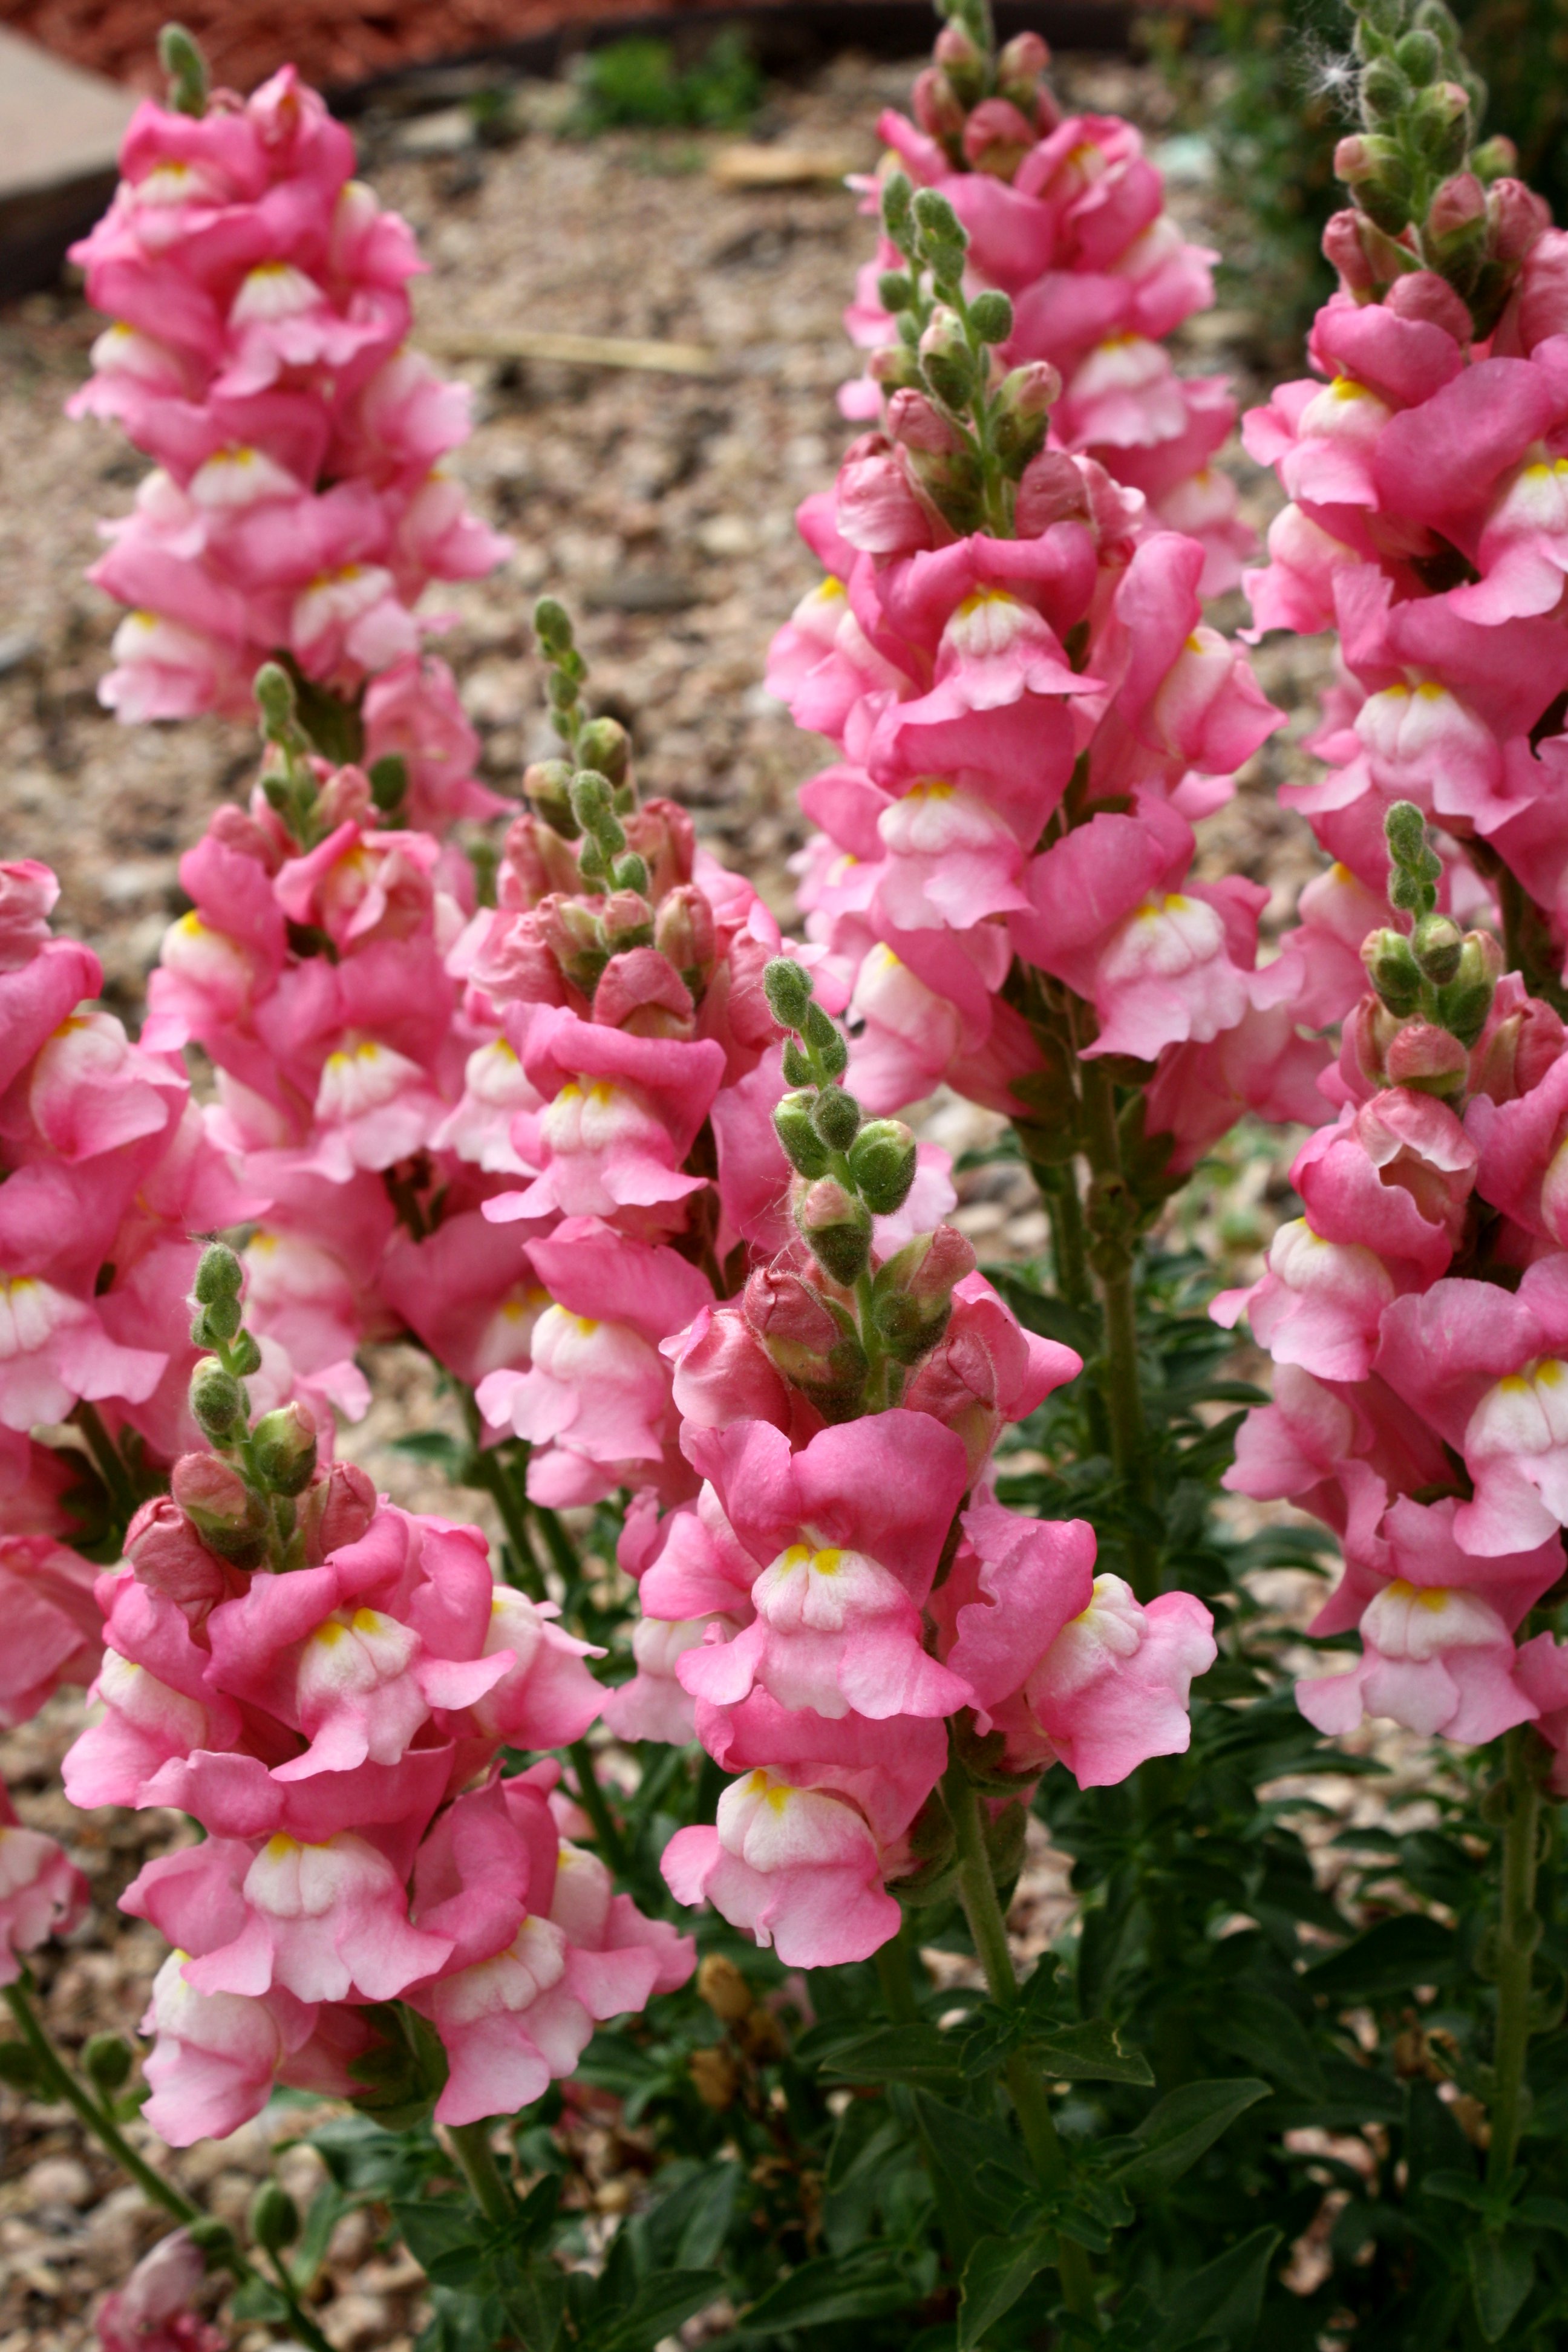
(661, 508)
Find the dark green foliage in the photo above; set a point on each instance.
(638, 84)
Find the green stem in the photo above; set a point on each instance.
(470, 2144)
(1519, 1932)
(612, 1844)
(489, 1473)
(58, 2078)
(562, 1551)
(977, 1893)
(1069, 1250)
(107, 1459)
(893, 1974)
(1111, 1256)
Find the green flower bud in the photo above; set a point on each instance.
(836, 1117)
(1384, 92)
(895, 289)
(1392, 967)
(219, 1275)
(991, 316)
(963, 61)
(229, 1517)
(1463, 1005)
(897, 194)
(215, 2239)
(836, 1227)
(216, 1325)
(187, 68)
(1419, 57)
(1021, 415)
(805, 1149)
(796, 1066)
(946, 360)
(216, 1399)
(1494, 159)
(547, 786)
(552, 626)
(246, 1357)
(604, 745)
(274, 693)
(284, 1445)
(882, 1160)
(274, 2218)
(107, 2061)
(788, 987)
(1436, 943)
(943, 239)
(389, 781)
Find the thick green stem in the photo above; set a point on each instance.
(470, 2144)
(897, 1982)
(490, 1473)
(1519, 1932)
(1111, 1256)
(563, 1551)
(58, 2077)
(1069, 1250)
(977, 1893)
(106, 1460)
(612, 1844)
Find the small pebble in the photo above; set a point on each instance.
(57, 2181)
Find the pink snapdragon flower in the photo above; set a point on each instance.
(799, 1868)
(42, 1892)
(152, 2312)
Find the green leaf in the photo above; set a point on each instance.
(1545, 2214)
(1090, 2053)
(1502, 2272)
(1174, 2133)
(687, 2227)
(889, 2053)
(658, 2307)
(1409, 1950)
(995, 2276)
(865, 2284)
(1221, 2302)
(432, 2227)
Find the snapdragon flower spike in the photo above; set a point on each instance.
(299, 503)
(1026, 277)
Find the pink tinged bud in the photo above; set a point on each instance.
(1344, 251)
(798, 1868)
(723, 1374)
(915, 423)
(1517, 218)
(810, 1345)
(226, 1514)
(1458, 202)
(997, 137)
(936, 106)
(168, 1555)
(535, 862)
(1425, 296)
(1051, 489)
(336, 1510)
(1422, 1055)
(153, 2311)
(684, 931)
(642, 991)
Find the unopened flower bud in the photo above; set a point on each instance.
(389, 782)
(1051, 489)
(187, 68)
(1436, 943)
(219, 1275)
(553, 625)
(938, 108)
(216, 1326)
(1440, 122)
(1344, 251)
(836, 1117)
(1378, 173)
(684, 930)
(1419, 57)
(897, 210)
(1516, 216)
(547, 785)
(1463, 1005)
(1457, 215)
(627, 919)
(946, 359)
(604, 745)
(1429, 1058)
(535, 859)
(788, 987)
(228, 1515)
(1493, 158)
(274, 2218)
(796, 1130)
(836, 1227)
(720, 1984)
(168, 1557)
(1020, 64)
(1023, 414)
(912, 1291)
(335, 1510)
(1392, 967)
(275, 699)
(991, 315)
(107, 2061)
(214, 2239)
(959, 56)
(216, 1399)
(284, 1445)
(895, 367)
(883, 1160)
(943, 238)
(572, 930)
(915, 423)
(996, 138)
(1384, 92)
(815, 1347)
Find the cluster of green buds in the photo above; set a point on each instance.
(1434, 983)
(584, 798)
(1426, 196)
(848, 1168)
(240, 1499)
(984, 107)
(966, 438)
(294, 792)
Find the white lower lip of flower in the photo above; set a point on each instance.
(275, 290)
(360, 1077)
(1121, 364)
(1421, 1621)
(240, 477)
(1343, 411)
(1407, 724)
(90, 1049)
(934, 819)
(149, 637)
(887, 994)
(125, 351)
(1109, 1629)
(30, 1312)
(1536, 500)
(591, 1116)
(495, 1077)
(353, 1654)
(656, 1643)
(822, 1591)
(575, 1350)
(511, 1982)
(989, 623)
(339, 597)
(143, 1700)
(773, 1825)
(208, 959)
(508, 1337)
(1524, 1413)
(1168, 935)
(171, 183)
(1304, 1262)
